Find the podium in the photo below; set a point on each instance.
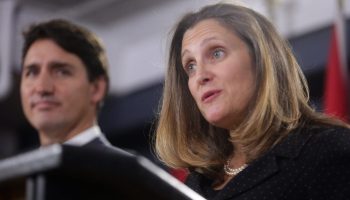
(69, 172)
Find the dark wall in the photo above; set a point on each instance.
(128, 120)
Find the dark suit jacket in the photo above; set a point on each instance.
(102, 143)
(312, 163)
(98, 142)
(69, 182)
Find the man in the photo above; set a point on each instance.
(64, 81)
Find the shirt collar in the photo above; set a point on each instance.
(85, 137)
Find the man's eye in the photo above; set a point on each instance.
(63, 72)
(31, 72)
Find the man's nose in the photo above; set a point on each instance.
(44, 84)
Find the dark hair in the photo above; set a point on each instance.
(74, 39)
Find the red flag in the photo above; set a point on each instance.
(180, 174)
(336, 88)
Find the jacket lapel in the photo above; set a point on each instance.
(250, 177)
(266, 166)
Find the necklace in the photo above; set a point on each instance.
(233, 171)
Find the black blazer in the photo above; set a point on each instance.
(312, 163)
(103, 144)
(100, 141)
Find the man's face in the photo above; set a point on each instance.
(55, 91)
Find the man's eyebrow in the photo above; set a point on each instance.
(59, 64)
(29, 66)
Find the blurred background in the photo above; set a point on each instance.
(136, 35)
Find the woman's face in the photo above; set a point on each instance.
(220, 71)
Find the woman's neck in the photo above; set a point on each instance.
(235, 161)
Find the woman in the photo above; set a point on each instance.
(235, 112)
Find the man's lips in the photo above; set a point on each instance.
(210, 95)
(42, 105)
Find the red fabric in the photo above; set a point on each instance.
(336, 101)
(180, 174)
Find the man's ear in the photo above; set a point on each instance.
(98, 89)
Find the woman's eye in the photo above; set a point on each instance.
(218, 53)
(190, 68)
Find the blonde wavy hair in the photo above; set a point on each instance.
(184, 139)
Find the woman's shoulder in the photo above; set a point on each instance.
(329, 158)
(330, 138)
(315, 141)
(194, 179)
(329, 132)
(196, 182)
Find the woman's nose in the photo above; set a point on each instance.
(204, 75)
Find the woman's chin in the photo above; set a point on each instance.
(216, 121)
(221, 121)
